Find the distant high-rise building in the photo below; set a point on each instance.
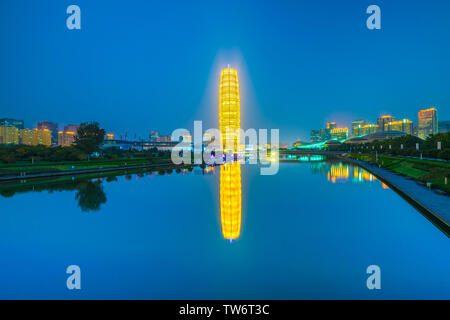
(356, 124)
(339, 133)
(325, 134)
(26, 137)
(53, 127)
(415, 130)
(331, 125)
(167, 138)
(9, 135)
(66, 138)
(229, 109)
(154, 136)
(404, 125)
(367, 129)
(383, 120)
(7, 122)
(315, 136)
(72, 128)
(444, 126)
(428, 122)
(36, 137)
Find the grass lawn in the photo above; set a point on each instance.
(420, 170)
(41, 167)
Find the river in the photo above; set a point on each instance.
(308, 232)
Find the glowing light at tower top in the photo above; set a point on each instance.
(229, 109)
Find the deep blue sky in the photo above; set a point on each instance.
(142, 65)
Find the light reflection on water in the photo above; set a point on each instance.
(308, 232)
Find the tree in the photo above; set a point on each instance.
(90, 196)
(89, 137)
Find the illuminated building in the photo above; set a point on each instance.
(377, 136)
(154, 136)
(367, 129)
(356, 125)
(299, 143)
(428, 123)
(404, 125)
(66, 138)
(331, 125)
(43, 137)
(325, 134)
(315, 136)
(339, 133)
(356, 140)
(383, 120)
(167, 138)
(72, 128)
(230, 200)
(36, 137)
(7, 122)
(229, 109)
(53, 127)
(26, 137)
(9, 135)
(109, 136)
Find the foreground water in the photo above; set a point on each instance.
(308, 232)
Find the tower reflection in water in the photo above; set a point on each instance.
(230, 200)
(230, 173)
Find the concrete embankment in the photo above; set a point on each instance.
(433, 206)
(88, 171)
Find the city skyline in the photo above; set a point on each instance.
(391, 123)
(318, 68)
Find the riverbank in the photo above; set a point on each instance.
(51, 170)
(433, 206)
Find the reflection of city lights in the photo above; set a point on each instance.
(230, 200)
(362, 175)
(338, 171)
(384, 186)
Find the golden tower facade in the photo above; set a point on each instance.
(230, 200)
(229, 109)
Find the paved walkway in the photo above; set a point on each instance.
(435, 204)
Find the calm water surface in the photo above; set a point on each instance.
(308, 232)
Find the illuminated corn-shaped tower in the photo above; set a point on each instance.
(229, 109)
(230, 200)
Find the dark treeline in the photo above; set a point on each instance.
(87, 143)
(427, 148)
